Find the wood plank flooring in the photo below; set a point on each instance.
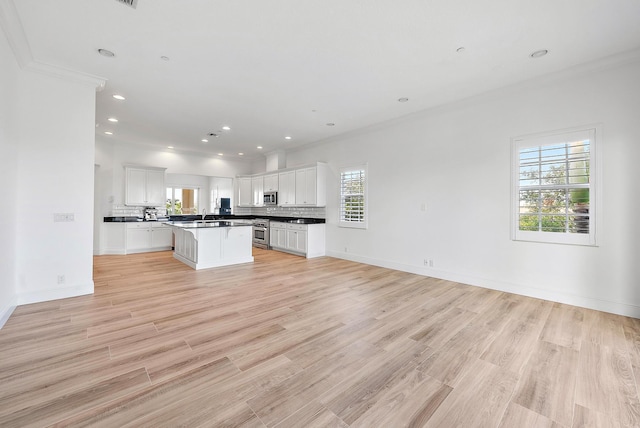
(290, 342)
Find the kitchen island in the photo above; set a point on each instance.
(212, 243)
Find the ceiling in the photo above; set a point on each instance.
(290, 68)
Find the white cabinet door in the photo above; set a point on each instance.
(278, 235)
(257, 190)
(306, 183)
(144, 187)
(245, 197)
(287, 188)
(156, 193)
(297, 238)
(136, 187)
(138, 239)
(271, 183)
(113, 238)
(161, 237)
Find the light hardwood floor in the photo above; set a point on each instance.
(290, 342)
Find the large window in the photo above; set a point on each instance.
(182, 201)
(353, 197)
(553, 191)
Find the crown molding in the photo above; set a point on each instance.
(12, 26)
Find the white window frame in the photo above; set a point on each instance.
(594, 134)
(362, 168)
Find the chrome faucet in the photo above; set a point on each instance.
(204, 213)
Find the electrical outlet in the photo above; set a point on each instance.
(428, 262)
(63, 217)
(60, 279)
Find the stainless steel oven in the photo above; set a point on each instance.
(261, 233)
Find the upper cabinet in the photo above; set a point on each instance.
(257, 190)
(287, 188)
(271, 182)
(144, 186)
(311, 186)
(245, 197)
(302, 187)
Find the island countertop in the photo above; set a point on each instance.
(201, 224)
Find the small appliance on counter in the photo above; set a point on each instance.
(150, 214)
(225, 206)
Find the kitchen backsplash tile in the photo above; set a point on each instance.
(127, 211)
(307, 212)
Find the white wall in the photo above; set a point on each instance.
(456, 160)
(55, 175)
(8, 177)
(46, 167)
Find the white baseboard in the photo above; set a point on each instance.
(7, 310)
(613, 307)
(58, 293)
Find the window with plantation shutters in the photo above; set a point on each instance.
(353, 204)
(553, 187)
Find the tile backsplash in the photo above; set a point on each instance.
(307, 212)
(127, 211)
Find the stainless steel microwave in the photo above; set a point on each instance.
(271, 198)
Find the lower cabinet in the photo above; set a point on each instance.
(112, 239)
(146, 236)
(303, 239)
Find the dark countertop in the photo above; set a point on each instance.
(201, 224)
(193, 217)
(123, 219)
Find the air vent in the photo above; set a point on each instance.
(130, 3)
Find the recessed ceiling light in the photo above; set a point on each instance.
(106, 53)
(403, 100)
(169, 147)
(164, 58)
(259, 147)
(112, 119)
(226, 128)
(213, 134)
(287, 138)
(331, 124)
(220, 154)
(118, 97)
(108, 132)
(240, 154)
(538, 54)
(204, 140)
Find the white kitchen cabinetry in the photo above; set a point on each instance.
(278, 234)
(207, 247)
(311, 186)
(297, 238)
(303, 239)
(287, 188)
(147, 236)
(271, 182)
(144, 187)
(113, 238)
(257, 190)
(245, 197)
